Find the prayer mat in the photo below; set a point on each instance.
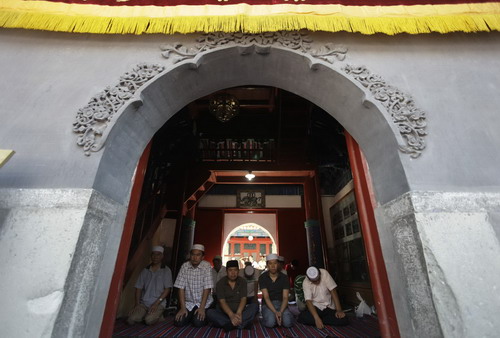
(358, 327)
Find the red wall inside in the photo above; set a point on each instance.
(291, 233)
(208, 231)
(292, 236)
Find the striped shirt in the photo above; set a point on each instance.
(194, 280)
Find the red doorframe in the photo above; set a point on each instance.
(115, 289)
(365, 199)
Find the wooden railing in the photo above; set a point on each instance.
(234, 150)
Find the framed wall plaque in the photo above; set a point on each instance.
(251, 199)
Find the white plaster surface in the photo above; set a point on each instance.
(36, 249)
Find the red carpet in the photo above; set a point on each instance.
(358, 327)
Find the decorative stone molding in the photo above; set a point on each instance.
(297, 41)
(410, 120)
(92, 120)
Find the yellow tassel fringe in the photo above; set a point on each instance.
(68, 22)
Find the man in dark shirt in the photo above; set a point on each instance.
(275, 288)
(232, 310)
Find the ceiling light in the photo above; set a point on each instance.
(250, 176)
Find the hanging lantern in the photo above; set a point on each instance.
(224, 107)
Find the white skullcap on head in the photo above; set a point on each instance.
(200, 247)
(249, 270)
(158, 248)
(313, 273)
(281, 258)
(271, 257)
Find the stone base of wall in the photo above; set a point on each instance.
(39, 230)
(442, 254)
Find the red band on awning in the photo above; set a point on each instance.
(267, 2)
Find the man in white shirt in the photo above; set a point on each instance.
(322, 300)
(251, 276)
(218, 271)
(194, 283)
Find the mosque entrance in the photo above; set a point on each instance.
(196, 188)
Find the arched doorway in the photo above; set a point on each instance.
(248, 240)
(325, 85)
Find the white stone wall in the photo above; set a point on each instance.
(38, 236)
(441, 253)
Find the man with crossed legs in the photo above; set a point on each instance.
(232, 309)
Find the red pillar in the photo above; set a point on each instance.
(365, 200)
(115, 289)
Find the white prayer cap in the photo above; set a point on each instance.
(158, 248)
(200, 247)
(249, 271)
(271, 257)
(313, 273)
(281, 258)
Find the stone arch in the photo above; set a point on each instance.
(325, 84)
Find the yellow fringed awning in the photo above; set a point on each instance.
(87, 18)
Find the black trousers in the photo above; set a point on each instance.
(327, 316)
(191, 318)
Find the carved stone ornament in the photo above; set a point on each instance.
(410, 120)
(92, 120)
(298, 41)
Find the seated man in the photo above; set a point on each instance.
(299, 292)
(322, 301)
(232, 310)
(251, 276)
(218, 272)
(281, 265)
(151, 289)
(275, 286)
(194, 283)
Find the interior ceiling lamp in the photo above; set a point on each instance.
(250, 176)
(224, 107)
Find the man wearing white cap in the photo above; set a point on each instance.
(218, 272)
(251, 276)
(194, 283)
(275, 288)
(281, 265)
(151, 289)
(322, 301)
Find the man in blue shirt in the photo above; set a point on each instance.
(151, 289)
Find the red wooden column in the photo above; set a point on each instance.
(116, 287)
(366, 202)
